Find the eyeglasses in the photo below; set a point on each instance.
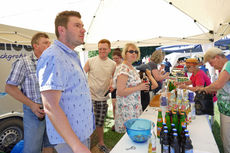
(133, 51)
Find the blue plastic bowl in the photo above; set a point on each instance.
(18, 148)
(139, 130)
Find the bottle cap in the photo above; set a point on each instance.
(174, 130)
(186, 131)
(187, 135)
(165, 127)
(175, 134)
(164, 124)
(165, 131)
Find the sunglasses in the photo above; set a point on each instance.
(133, 51)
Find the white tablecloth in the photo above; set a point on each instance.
(199, 130)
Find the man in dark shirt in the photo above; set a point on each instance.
(167, 65)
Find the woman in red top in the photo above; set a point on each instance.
(198, 78)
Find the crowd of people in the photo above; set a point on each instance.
(64, 102)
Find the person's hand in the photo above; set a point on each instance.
(199, 89)
(182, 86)
(144, 86)
(177, 83)
(111, 89)
(166, 75)
(36, 109)
(81, 149)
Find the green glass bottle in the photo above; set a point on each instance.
(168, 121)
(175, 120)
(182, 122)
(159, 123)
(159, 127)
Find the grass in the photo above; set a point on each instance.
(216, 129)
(111, 138)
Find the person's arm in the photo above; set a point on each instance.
(183, 86)
(86, 67)
(187, 83)
(16, 93)
(223, 78)
(122, 90)
(59, 120)
(152, 80)
(158, 76)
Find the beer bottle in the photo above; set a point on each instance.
(162, 132)
(174, 145)
(165, 148)
(167, 120)
(175, 119)
(182, 122)
(160, 115)
(159, 127)
(171, 134)
(172, 126)
(182, 139)
(187, 145)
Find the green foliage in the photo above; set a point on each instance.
(95, 53)
(145, 51)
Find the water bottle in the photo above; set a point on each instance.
(193, 110)
(164, 103)
(192, 103)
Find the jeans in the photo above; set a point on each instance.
(35, 137)
(65, 148)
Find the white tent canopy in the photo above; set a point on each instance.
(16, 35)
(212, 14)
(145, 22)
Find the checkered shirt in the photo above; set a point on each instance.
(23, 74)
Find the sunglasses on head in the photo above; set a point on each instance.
(133, 51)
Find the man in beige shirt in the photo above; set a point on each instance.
(100, 70)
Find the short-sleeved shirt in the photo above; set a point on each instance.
(200, 79)
(99, 77)
(127, 107)
(23, 74)
(223, 94)
(59, 68)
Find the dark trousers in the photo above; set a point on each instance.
(145, 98)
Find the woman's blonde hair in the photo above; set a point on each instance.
(125, 49)
(157, 56)
(211, 53)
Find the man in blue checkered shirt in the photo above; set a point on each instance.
(22, 84)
